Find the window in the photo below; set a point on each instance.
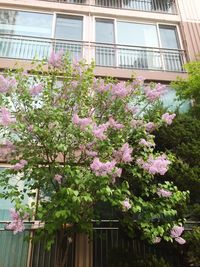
(137, 34)
(25, 23)
(105, 55)
(69, 28)
(137, 45)
(169, 40)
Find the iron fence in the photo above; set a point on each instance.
(105, 55)
(162, 6)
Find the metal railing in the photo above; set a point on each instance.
(105, 55)
(22, 47)
(162, 6)
(138, 57)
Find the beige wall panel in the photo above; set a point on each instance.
(190, 10)
(192, 37)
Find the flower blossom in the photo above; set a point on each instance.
(167, 118)
(58, 178)
(136, 123)
(114, 124)
(6, 84)
(56, 59)
(91, 153)
(126, 205)
(120, 90)
(176, 232)
(153, 94)
(131, 108)
(101, 168)
(157, 240)
(82, 122)
(143, 142)
(150, 126)
(6, 117)
(158, 165)
(36, 89)
(20, 165)
(163, 193)
(98, 131)
(123, 154)
(7, 147)
(17, 224)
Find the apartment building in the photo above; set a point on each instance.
(153, 38)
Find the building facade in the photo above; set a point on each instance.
(152, 38)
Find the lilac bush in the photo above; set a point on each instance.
(67, 136)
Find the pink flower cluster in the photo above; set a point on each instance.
(136, 123)
(176, 232)
(81, 122)
(99, 131)
(56, 59)
(123, 154)
(158, 165)
(58, 178)
(36, 89)
(157, 240)
(126, 205)
(20, 165)
(114, 124)
(6, 84)
(7, 148)
(17, 224)
(168, 118)
(102, 168)
(153, 94)
(120, 90)
(6, 117)
(143, 142)
(131, 108)
(163, 193)
(150, 126)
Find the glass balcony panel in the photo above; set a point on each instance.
(105, 56)
(23, 48)
(139, 59)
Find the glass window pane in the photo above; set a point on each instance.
(168, 37)
(137, 34)
(105, 31)
(25, 23)
(69, 28)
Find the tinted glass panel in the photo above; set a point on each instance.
(105, 31)
(137, 34)
(69, 28)
(25, 23)
(168, 37)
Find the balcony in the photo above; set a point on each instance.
(161, 6)
(105, 55)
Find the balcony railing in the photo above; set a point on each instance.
(162, 6)
(105, 55)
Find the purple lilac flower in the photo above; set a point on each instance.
(6, 117)
(36, 89)
(158, 165)
(123, 154)
(126, 205)
(20, 165)
(56, 59)
(102, 168)
(163, 193)
(58, 178)
(17, 224)
(153, 94)
(6, 84)
(99, 131)
(168, 118)
(176, 232)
